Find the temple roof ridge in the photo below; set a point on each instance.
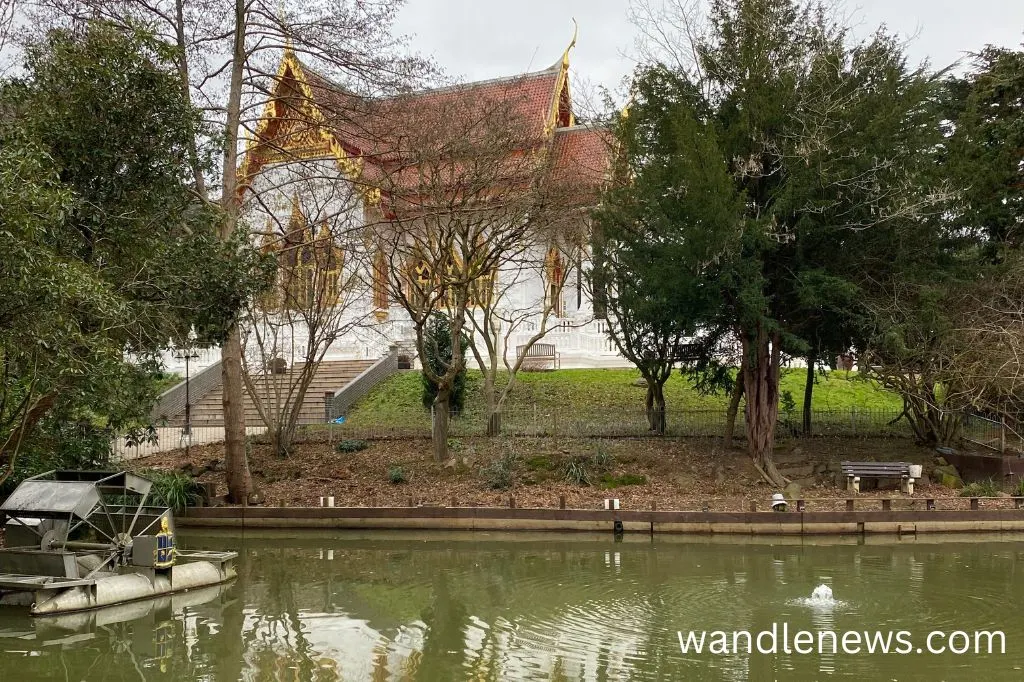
(453, 87)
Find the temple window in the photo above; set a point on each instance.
(309, 266)
(380, 281)
(555, 278)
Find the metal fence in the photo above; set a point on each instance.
(530, 422)
(613, 422)
(1003, 435)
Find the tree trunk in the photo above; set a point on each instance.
(439, 433)
(655, 404)
(182, 59)
(761, 385)
(494, 423)
(812, 359)
(236, 463)
(12, 445)
(734, 408)
(493, 409)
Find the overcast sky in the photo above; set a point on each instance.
(478, 39)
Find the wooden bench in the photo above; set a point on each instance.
(539, 352)
(855, 471)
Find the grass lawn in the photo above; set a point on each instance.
(397, 400)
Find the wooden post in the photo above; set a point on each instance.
(561, 501)
(453, 502)
(753, 506)
(974, 504)
(511, 502)
(1002, 435)
(886, 504)
(849, 505)
(328, 407)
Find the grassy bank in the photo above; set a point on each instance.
(397, 400)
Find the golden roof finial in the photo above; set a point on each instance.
(572, 43)
(325, 235)
(296, 221)
(268, 242)
(629, 102)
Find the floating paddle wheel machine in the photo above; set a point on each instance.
(79, 540)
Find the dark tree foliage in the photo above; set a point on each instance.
(986, 149)
(438, 355)
(110, 253)
(667, 225)
(945, 316)
(819, 159)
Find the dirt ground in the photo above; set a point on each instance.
(666, 474)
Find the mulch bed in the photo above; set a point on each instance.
(678, 474)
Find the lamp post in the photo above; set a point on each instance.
(187, 353)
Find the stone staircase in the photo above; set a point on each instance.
(331, 376)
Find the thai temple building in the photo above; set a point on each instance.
(316, 180)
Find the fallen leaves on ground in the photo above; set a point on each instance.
(678, 474)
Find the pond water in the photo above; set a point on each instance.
(527, 607)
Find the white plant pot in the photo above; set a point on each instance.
(915, 471)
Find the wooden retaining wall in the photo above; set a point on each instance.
(902, 522)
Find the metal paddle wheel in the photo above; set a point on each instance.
(84, 539)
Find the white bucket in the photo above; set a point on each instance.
(915, 471)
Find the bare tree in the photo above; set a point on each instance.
(314, 227)
(466, 187)
(500, 318)
(951, 349)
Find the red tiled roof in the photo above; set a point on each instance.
(584, 150)
(377, 129)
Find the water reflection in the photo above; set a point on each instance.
(431, 608)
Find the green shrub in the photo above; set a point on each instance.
(602, 459)
(351, 445)
(608, 481)
(577, 470)
(980, 489)
(396, 475)
(541, 463)
(438, 356)
(173, 489)
(501, 473)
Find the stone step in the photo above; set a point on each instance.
(331, 376)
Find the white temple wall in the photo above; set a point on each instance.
(326, 196)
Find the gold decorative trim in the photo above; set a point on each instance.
(562, 83)
(323, 143)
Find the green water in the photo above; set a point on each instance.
(478, 607)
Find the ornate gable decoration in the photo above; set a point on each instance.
(293, 127)
(560, 114)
